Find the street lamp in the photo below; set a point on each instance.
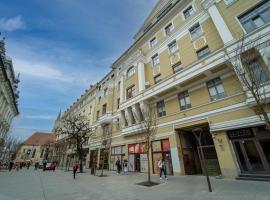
(197, 132)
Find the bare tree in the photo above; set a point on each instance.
(78, 132)
(147, 128)
(253, 72)
(106, 141)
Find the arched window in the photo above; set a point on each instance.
(130, 71)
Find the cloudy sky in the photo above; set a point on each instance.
(60, 47)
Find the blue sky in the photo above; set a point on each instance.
(60, 47)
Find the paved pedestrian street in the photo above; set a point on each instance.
(59, 185)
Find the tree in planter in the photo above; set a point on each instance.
(147, 127)
(253, 73)
(78, 132)
(106, 141)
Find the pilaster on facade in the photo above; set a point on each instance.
(141, 76)
(218, 20)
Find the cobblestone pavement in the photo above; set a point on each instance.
(59, 185)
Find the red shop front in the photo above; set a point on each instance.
(137, 158)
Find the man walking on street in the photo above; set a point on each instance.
(118, 165)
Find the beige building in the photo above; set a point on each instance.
(37, 147)
(180, 65)
(9, 93)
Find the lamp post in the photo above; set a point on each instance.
(197, 132)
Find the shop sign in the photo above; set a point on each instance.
(240, 133)
(137, 148)
(130, 148)
(166, 145)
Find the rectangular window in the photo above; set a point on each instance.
(105, 92)
(195, 31)
(153, 42)
(104, 109)
(118, 103)
(97, 115)
(177, 67)
(155, 60)
(228, 2)
(256, 17)
(188, 12)
(216, 89)
(256, 73)
(131, 92)
(161, 108)
(184, 100)
(99, 99)
(173, 47)
(203, 52)
(90, 110)
(157, 78)
(168, 29)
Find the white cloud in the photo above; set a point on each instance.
(11, 24)
(40, 70)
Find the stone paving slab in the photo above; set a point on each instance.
(59, 185)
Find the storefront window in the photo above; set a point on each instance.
(166, 145)
(156, 146)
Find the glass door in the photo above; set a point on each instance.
(249, 157)
(253, 156)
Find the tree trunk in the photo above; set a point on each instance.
(148, 161)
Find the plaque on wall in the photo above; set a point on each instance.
(240, 133)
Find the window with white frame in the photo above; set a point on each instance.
(155, 60)
(184, 100)
(256, 17)
(131, 92)
(172, 47)
(153, 42)
(130, 71)
(168, 28)
(177, 67)
(256, 73)
(188, 12)
(229, 2)
(203, 52)
(161, 109)
(195, 31)
(216, 89)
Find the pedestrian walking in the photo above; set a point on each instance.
(44, 164)
(75, 168)
(161, 165)
(28, 165)
(36, 165)
(118, 165)
(125, 167)
(10, 165)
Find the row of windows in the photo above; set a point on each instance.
(215, 89)
(169, 28)
(195, 32)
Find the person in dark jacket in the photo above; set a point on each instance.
(75, 168)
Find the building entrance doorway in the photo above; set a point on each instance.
(192, 158)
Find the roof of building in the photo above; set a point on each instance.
(38, 139)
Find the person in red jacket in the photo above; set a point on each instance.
(75, 168)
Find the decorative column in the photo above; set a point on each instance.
(122, 89)
(141, 76)
(218, 20)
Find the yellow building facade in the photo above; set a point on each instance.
(180, 65)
